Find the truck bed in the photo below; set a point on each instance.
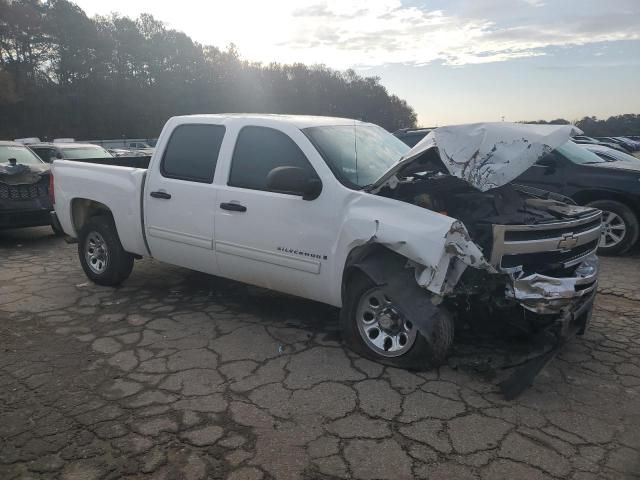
(118, 188)
(133, 162)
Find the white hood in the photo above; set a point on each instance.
(486, 155)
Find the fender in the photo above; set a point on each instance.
(395, 275)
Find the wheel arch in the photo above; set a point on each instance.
(370, 260)
(83, 208)
(585, 196)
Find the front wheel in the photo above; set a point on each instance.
(376, 326)
(101, 254)
(620, 227)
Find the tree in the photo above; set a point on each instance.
(64, 74)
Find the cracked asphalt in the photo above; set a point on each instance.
(179, 375)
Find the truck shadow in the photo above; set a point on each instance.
(28, 237)
(488, 356)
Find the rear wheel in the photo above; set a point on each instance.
(101, 254)
(375, 326)
(57, 229)
(620, 227)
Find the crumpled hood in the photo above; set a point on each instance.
(486, 155)
(21, 174)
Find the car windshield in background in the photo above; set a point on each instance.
(22, 155)
(578, 154)
(84, 152)
(358, 155)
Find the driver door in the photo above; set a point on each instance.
(270, 239)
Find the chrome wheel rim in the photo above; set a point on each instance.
(613, 229)
(381, 325)
(96, 253)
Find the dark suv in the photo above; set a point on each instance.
(24, 189)
(611, 185)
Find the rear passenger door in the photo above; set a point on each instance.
(180, 198)
(271, 239)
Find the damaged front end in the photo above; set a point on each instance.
(516, 259)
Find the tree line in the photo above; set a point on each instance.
(63, 74)
(615, 126)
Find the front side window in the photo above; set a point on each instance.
(22, 155)
(258, 151)
(192, 153)
(358, 155)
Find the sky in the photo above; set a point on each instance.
(454, 61)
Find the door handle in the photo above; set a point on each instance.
(163, 195)
(234, 207)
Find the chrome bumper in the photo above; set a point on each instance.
(549, 295)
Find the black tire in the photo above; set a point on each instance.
(117, 263)
(423, 354)
(632, 226)
(57, 230)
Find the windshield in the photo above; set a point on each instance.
(22, 155)
(84, 152)
(578, 154)
(357, 154)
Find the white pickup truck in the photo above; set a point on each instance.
(407, 242)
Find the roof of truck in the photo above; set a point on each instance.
(300, 121)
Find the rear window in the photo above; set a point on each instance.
(192, 153)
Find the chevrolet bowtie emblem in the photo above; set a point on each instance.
(569, 240)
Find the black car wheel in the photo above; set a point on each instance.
(620, 227)
(101, 254)
(374, 325)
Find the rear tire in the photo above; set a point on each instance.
(621, 227)
(57, 230)
(101, 254)
(421, 355)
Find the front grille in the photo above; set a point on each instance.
(519, 235)
(544, 261)
(24, 192)
(544, 247)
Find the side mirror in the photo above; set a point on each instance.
(294, 181)
(53, 158)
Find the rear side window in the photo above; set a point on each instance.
(258, 151)
(192, 153)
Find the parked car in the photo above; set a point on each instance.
(411, 136)
(322, 208)
(611, 154)
(141, 144)
(49, 152)
(628, 146)
(24, 189)
(635, 144)
(583, 139)
(611, 186)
